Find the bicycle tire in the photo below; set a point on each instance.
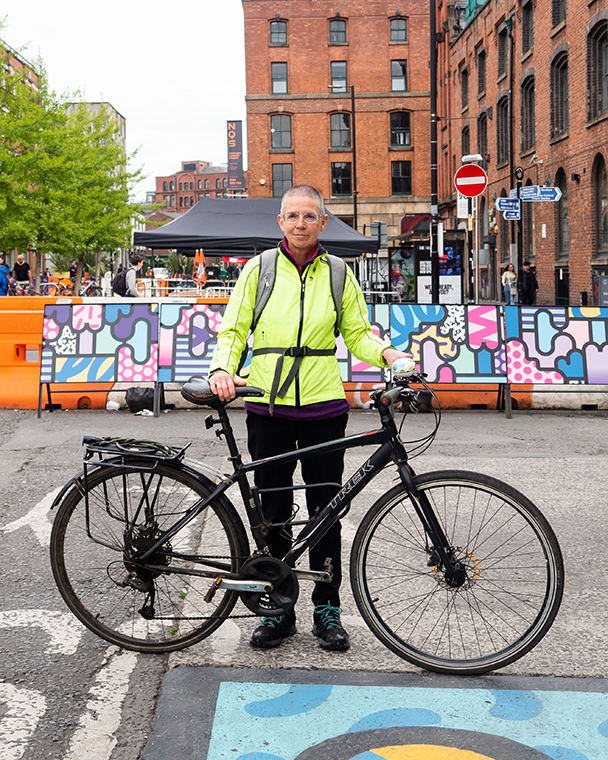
(514, 575)
(90, 566)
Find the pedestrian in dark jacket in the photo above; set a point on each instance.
(5, 274)
(528, 285)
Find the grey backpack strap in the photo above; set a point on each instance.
(337, 279)
(267, 274)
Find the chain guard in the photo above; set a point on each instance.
(286, 587)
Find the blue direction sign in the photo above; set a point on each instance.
(540, 193)
(514, 216)
(507, 204)
(513, 192)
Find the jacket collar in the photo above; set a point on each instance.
(288, 255)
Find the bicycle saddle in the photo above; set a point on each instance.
(197, 391)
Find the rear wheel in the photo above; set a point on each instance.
(95, 562)
(513, 582)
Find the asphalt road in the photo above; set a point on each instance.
(62, 690)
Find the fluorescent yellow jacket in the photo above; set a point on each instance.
(299, 312)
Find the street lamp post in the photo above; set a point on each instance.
(434, 194)
(353, 138)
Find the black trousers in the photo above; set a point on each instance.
(268, 436)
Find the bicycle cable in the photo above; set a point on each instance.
(426, 441)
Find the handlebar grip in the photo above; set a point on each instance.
(87, 439)
(390, 396)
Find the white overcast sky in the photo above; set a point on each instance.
(174, 70)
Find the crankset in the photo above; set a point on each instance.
(285, 587)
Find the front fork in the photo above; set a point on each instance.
(455, 574)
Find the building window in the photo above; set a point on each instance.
(280, 131)
(502, 130)
(504, 234)
(464, 88)
(206, 184)
(339, 77)
(341, 178)
(601, 207)
(503, 47)
(597, 71)
(165, 200)
(180, 186)
(399, 76)
(527, 27)
(400, 129)
(282, 179)
(339, 126)
(465, 141)
(172, 201)
(192, 186)
(559, 95)
(181, 202)
(401, 177)
(337, 30)
(207, 195)
(172, 186)
(562, 216)
(278, 75)
(186, 201)
(482, 135)
(200, 184)
(558, 11)
(192, 200)
(164, 187)
(528, 118)
(218, 183)
(200, 196)
(481, 71)
(278, 32)
(398, 30)
(225, 182)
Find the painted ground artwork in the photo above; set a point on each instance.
(452, 344)
(557, 345)
(100, 343)
(269, 721)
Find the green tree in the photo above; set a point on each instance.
(64, 178)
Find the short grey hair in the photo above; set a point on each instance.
(307, 190)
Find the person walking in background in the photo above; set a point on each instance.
(5, 274)
(509, 284)
(528, 285)
(21, 273)
(294, 363)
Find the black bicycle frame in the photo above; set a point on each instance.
(314, 529)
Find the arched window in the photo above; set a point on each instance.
(398, 29)
(200, 184)
(218, 183)
(528, 117)
(600, 193)
(280, 131)
(559, 95)
(465, 141)
(225, 182)
(164, 187)
(337, 30)
(339, 127)
(172, 186)
(206, 184)
(529, 228)
(597, 71)
(502, 130)
(562, 216)
(527, 27)
(278, 32)
(482, 135)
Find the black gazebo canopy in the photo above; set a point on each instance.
(243, 227)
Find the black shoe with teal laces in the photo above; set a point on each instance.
(272, 630)
(327, 626)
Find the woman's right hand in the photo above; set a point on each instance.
(223, 385)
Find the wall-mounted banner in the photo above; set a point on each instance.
(236, 178)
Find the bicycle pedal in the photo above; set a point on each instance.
(212, 589)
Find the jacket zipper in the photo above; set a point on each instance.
(300, 328)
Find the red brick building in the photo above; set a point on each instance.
(302, 58)
(196, 180)
(558, 119)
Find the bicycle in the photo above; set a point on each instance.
(456, 572)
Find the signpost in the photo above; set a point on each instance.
(508, 204)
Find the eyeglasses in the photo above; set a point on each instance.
(291, 217)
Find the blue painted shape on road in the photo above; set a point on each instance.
(515, 705)
(262, 756)
(366, 756)
(603, 728)
(300, 698)
(400, 717)
(561, 753)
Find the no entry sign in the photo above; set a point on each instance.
(470, 180)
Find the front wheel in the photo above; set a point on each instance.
(106, 522)
(513, 584)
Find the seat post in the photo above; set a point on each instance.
(229, 433)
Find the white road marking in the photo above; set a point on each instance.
(24, 708)
(37, 519)
(95, 736)
(63, 628)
